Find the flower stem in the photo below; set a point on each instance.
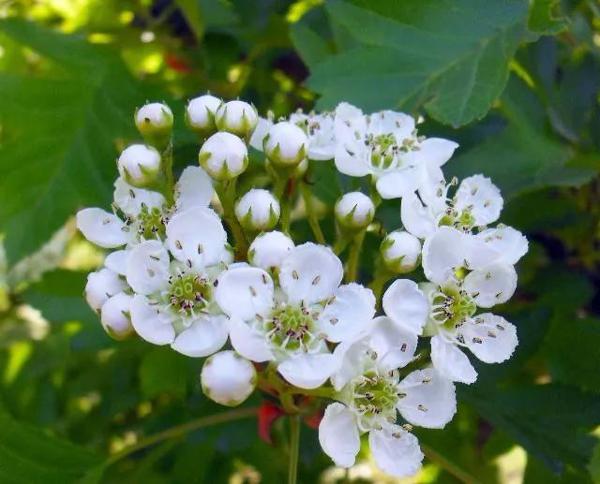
(226, 192)
(179, 430)
(354, 257)
(284, 192)
(381, 276)
(294, 448)
(313, 220)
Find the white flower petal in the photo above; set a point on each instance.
(394, 344)
(338, 435)
(196, 236)
(115, 315)
(430, 399)
(249, 342)
(268, 250)
(451, 362)
(193, 189)
(260, 132)
(117, 261)
(349, 313)
(148, 267)
(204, 337)
(494, 284)
(310, 273)
(350, 358)
(350, 159)
(508, 243)
(102, 285)
(491, 338)
(104, 229)
(131, 200)
(443, 251)
(434, 151)
(398, 183)
(416, 218)
(396, 451)
(152, 325)
(245, 292)
(227, 378)
(307, 370)
(401, 125)
(406, 304)
(481, 197)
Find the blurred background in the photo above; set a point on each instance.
(514, 82)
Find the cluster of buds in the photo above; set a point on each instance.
(218, 272)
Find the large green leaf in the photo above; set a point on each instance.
(523, 156)
(29, 455)
(61, 133)
(451, 57)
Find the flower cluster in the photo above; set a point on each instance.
(216, 273)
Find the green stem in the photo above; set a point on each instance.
(313, 220)
(354, 257)
(226, 192)
(285, 200)
(294, 448)
(382, 275)
(179, 430)
(340, 244)
(447, 465)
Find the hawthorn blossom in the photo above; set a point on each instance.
(476, 203)
(173, 284)
(292, 324)
(371, 393)
(385, 146)
(319, 128)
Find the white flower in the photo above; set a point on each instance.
(404, 303)
(237, 117)
(401, 251)
(372, 394)
(476, 203)
(227, 378)
(224, 156)
(173, 302)
(268, 250)
(384, 145)
(101, 286)
(319, 127)
(291, 326)
(258, 210)
(354, 210)
(115, 316)
(200, 114)
(286, 144)
(143, 212)
(154, 119)
(139, 165)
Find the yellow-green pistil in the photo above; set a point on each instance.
(451, 306)
(152, 223)
(376, 394)
(189, 293)
(290, 327)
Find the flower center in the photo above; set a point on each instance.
(376, 395)
(460, 220)
(451, 306)
(151, 223)
(291, 327)
(189, 293)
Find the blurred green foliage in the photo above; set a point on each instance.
(515, 82)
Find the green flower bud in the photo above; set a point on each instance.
(354, 211)
(258, 210)
(401, 251)
(237, 117)
(223, 156)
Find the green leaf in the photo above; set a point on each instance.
(163, 371)
(550, 421)
(193, 14)
(61, 134)
(27, 454)
(523, 156)
(543, 18)
(59, 296)
(311, 47)
(419, 53)
(594, 465)
(572, 348)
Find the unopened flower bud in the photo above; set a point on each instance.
(154, 121)
(227, 378)
(237, 117)
(223, 156)
(268, 250)
(139, 165)
(286, 144)
(200, 114)
(258, 210)
(115, 317)
(354, 211)
(400, 251)
(102, 285)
